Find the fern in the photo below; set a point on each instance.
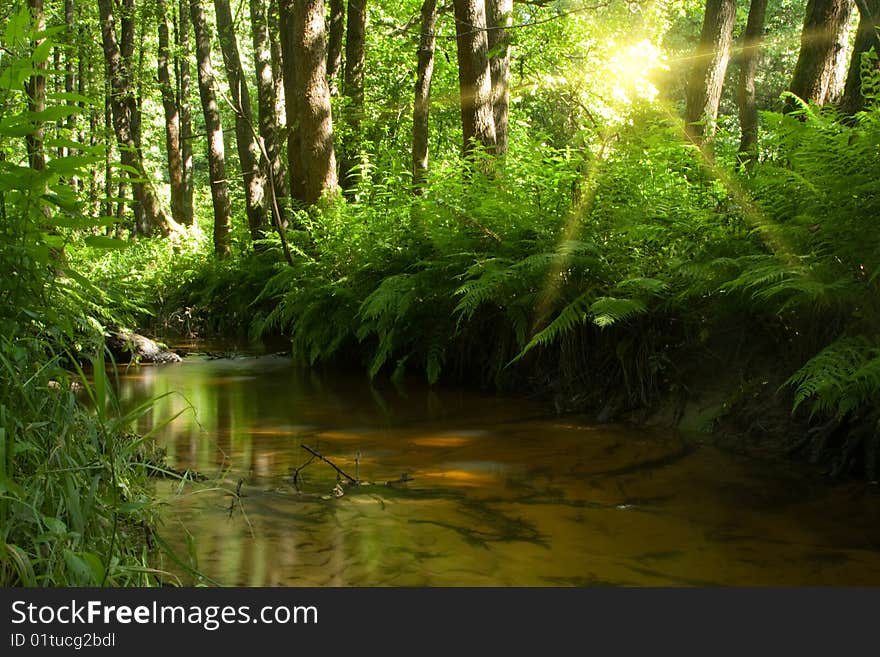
(574, 314)
(842, 378)
(610, 310)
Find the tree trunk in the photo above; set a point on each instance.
(422, 105)
(256, 200)
(353, 89)
(172, 116)
(748, 67)
(121, 103)
(309, 54)
(710, 66)
(35, 88)
(866, 38)
(295, 165)
(276, 46)
(211, 111)
(184, 78)
(270, 123)
(70, 77)
(336, 30)
(817, 75)
(499, 14)
(474, 76)
(107, 202)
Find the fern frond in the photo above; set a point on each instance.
(842, 378)
(611, 310)
(576, 312)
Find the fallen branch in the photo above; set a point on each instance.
(404, 478)
(295, 477)
(331, 464)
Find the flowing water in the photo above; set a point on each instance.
(467, 488)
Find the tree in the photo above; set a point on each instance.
(122, 106)
(184, 76)
(819, 73)
(499, 14)
(706, 79)
(748, 67)
(216, 152)
(867, 37)
(353, 87)
(305, 77)
(172, 116)
(70, 67)
(422, 104)
(335, 30)
(275, 43)
(474, 76)
(256, 199)
(35, 88)
(270, 122)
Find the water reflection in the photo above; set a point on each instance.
(500, 494)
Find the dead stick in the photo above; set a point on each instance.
(297, 471)
(331, 464)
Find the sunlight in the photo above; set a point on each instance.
(631, 69)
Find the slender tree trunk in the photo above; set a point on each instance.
(142, 224)
(256, 199)
(184, 77)
(270, 124)
(474, 76)
(172, 116)
(216, 152)
(35, 87)
(121, 102)
(70, 77)
(276, 41)
(295, 164)
(107, 203)
(336, 30)
(710, 66)
(422, 105)
(866, 38)
(58, 87)
(353, 90)
(315, 118)
(817, 75)
(748, 67)
(499, 14)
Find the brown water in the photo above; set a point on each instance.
(501, 493)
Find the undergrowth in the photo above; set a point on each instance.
(607, 277)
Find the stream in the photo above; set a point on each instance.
(468, 488)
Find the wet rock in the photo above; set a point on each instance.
(127, 346)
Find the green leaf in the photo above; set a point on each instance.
(104, 242)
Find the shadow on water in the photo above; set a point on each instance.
(483, 490)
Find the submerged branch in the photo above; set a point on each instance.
(331, 464)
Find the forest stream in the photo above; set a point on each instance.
(467, 488)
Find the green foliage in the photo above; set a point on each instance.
(73, 495)
(842, 379)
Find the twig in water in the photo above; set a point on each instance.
(235, 496)
(296, 472)
(331, 464)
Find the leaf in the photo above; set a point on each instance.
(17, 28)
(55, 526)
(104, 242)
(610, 310)
(131, 507)
(86, 568)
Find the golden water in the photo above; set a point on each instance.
(501, 493)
